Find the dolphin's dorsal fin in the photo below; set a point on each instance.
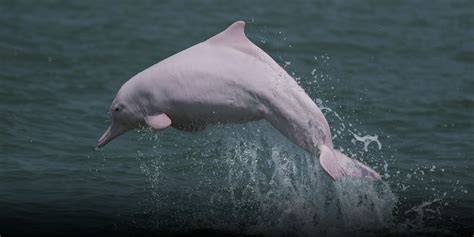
(233, 36)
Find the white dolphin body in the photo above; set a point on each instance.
(225, 79)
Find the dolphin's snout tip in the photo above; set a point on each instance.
(104, 139)
(102, 142)
(99, 145)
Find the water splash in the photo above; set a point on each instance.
(422, 211)
(367, 139)
(259, 183)
(409, 216)
(264, 185)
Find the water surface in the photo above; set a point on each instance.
(396, 73)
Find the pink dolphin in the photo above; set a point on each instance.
(226, 79)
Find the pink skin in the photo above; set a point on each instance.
(227, 79)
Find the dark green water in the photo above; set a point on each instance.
(402, 71)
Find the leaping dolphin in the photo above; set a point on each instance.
(227, 79)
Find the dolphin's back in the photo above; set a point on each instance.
(226, 72)
(235, 78)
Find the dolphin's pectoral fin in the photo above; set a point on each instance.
(189, 126)
(158, 122)
(336, 165)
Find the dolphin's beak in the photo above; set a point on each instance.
(112, 132)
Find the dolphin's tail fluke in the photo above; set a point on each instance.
(336, 165)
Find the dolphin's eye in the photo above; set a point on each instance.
(117, 109)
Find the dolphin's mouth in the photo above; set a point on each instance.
(115, 130)
(106, 138)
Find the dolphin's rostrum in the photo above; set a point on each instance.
(225, 79)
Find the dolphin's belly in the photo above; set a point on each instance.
(216, 108)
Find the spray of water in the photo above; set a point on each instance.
(294, 196)
(260, 183)
(250, 179)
